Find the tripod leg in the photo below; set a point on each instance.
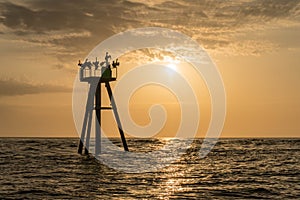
(88, 134)
(98, 119)
(114, 107)
(81, 140)
(89, 106)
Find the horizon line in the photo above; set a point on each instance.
(65, 137)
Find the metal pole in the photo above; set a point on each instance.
(88, 134)
(114, 107)
(83, 131)
(88, 107)
(98, 119)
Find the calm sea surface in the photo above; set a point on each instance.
(47, 168)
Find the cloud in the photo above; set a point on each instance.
(144, 56)
(248, 47)
(13, 87)
(69, 28)
(76, 27)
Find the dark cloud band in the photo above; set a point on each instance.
(11, 87)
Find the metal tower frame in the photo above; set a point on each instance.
(94, 103)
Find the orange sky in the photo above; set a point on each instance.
(254, 44)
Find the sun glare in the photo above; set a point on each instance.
(170, 62)
(172, 66)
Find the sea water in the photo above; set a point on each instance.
(50, 168)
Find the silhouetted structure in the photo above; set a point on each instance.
(90, 72)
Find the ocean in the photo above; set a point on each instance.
(50, 168)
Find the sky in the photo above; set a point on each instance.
(254, 43)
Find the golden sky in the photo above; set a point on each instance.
(254, 43)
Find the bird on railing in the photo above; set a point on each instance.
(87, 64)
(79, 63)
(115, 63)
(96, 64)
(107, 56)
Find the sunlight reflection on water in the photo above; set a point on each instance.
(236, 168)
